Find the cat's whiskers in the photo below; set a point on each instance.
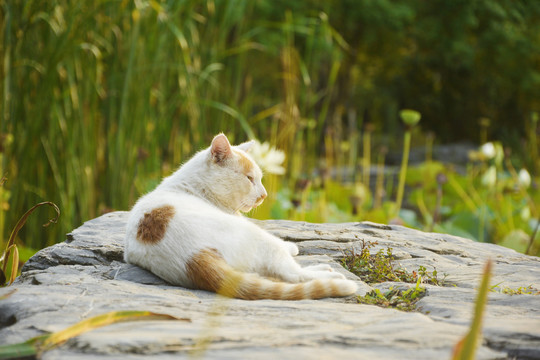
(253, 210)
(242, 204)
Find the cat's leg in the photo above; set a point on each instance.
(289, 270)
(275, 260)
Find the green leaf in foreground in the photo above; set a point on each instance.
(465, 349)
(36, 345)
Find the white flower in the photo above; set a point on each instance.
(268, 157)
(490, 177)
(524, 178)
(488, 149)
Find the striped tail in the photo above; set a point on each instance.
(209, 271)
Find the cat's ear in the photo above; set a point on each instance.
(246, 146)
(220, 148)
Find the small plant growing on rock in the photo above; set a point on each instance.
(431, 277)
(375, 268)
(522, 290)
(404, 300)
(380, 267)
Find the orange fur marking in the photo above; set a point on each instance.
(276, 291)
(153, 225)
(202, 272)
(319, 290)
(297, 292)
(334, 288)
(208, 271)
(245, 163)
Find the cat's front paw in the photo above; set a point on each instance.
(293, 249)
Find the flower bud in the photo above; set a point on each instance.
(524, 178)
(488, 150)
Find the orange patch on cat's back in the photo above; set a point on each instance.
(153, 225)
(245, 162)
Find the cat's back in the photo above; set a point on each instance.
(173, 207)
(163, 217)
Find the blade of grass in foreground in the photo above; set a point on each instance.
(11, 243)
(465, 349)
(8, 294)
(42, 343)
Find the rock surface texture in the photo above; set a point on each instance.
(86, 276)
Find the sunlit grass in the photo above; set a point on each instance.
(35, 347)
(101, 99)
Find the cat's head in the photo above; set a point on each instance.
(236, 178)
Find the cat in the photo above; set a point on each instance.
(190, 232)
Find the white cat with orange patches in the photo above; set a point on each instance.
(189, 232)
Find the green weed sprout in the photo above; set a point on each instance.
(410, 119)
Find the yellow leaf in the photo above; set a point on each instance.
(101, 320)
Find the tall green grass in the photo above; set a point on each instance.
(101, 99)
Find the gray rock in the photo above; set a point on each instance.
(86, 276)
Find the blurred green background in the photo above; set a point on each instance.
(101, 99)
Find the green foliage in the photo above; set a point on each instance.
(380, 267)
(503, 211)
(522, 290)
(431, 277)
(101, 99)
(404, 300)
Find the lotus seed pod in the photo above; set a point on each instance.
(410, 117)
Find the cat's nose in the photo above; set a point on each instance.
(261, 198)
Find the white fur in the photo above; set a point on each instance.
(207, 192)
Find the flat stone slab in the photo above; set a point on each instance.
(86, 276)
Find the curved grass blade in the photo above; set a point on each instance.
(8, 294)
(59, 337)
(34, 346)
(14, 264)
(21, 223)
(233, 113)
